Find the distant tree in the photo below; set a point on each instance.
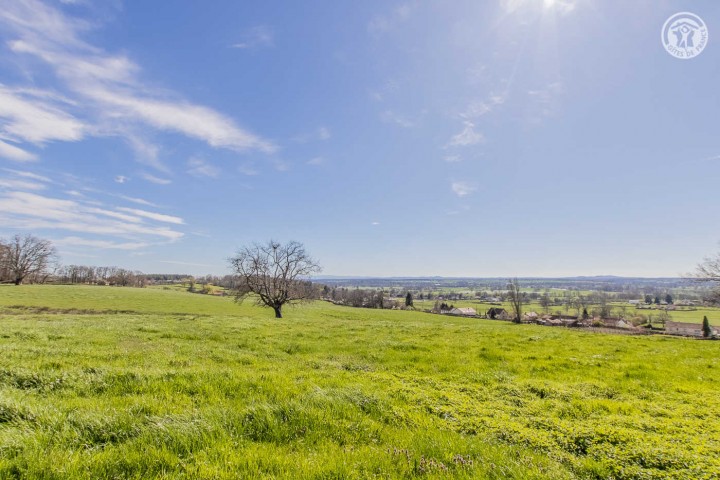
(436, 307)
(668, 299)
(516, 299)
(408, 300)
(657, 300)
(380, 299)
(605, 310)
(709, 271)
(585, 314)
(663, 317)
(276, 274)
(707, 331)
(648, 299)
(545, 302)
(23, 257)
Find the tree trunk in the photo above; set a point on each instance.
(18, 281)
(278, 313)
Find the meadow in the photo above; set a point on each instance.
(103, 382)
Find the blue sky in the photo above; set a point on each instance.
(466, 138)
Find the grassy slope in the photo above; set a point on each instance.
(189, 386)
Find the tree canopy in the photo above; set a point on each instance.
(275, 274)
(25, 256)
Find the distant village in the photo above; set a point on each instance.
(597, 312)
(618, 324)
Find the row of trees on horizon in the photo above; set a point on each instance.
(278, 274)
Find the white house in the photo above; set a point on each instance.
(466, 312)
(687, 329)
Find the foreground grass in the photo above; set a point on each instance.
(101, 382)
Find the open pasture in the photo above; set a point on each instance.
(102, 382)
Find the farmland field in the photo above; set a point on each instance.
(102, 382)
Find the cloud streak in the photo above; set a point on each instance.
(467, 137)
(106, 91)
(256, 37)
(32, 211)
(462, 189)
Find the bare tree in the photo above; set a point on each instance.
(26, 256)
(709, 271)
(4, 272)
(276, 274)
(516, 299)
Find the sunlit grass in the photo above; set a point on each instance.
(191, 386)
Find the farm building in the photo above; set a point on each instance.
(531, 316)
(617, 323)
(687, 329)
(468, 312)
(553, 322)
(497, 314)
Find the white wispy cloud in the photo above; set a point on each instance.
(389, 116)
(543, 102)
(121, 179)
(321, 133)
(478, 108)
(153, 179)
(146, 152)
(26, 174)
(160, 217)
(11, 152)
(256, 37)
(20, 184)
(201, 168)
(106, 91)
(452, 158)
(467, 137)
(24, 210)
(101, 244)
(462, 189)
(316, 161)
(29, 116)
(563, 7)
(139, 201)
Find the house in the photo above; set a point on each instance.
(531, 317)
(466, 312)
(612, 322)
(634, 302)
(496, 313)
(687, 329)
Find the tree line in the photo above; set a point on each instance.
(276, 274)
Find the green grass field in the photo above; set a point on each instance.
(103, 382)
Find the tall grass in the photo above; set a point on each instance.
(129, 383)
